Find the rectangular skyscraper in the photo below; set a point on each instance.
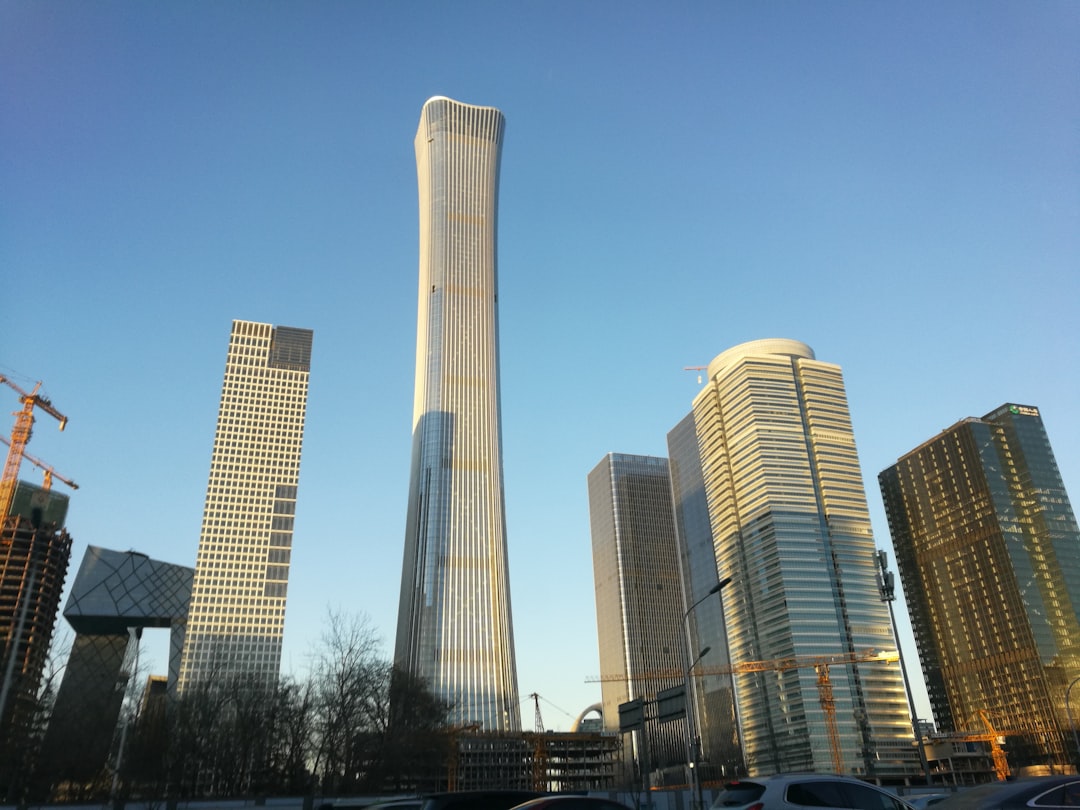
(454, 623)
(639, 601)
(237, 615)
(989, 556)
(791, 528)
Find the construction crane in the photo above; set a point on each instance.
(48, 472)
(539, 718)
(698, 369)
(20, 435)
(819, 663)
(990, 735)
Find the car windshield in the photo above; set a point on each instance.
(737, 794)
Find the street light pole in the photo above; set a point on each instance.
(887, 589)
(691, 704)
(1072, 723)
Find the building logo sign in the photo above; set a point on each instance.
(1023, 410)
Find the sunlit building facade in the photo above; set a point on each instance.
(237, 615)
(791, 527)
(988, 550)
(639, 601)
(454, 621)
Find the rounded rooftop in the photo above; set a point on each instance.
(783, 347)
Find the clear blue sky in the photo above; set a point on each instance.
(896, 184)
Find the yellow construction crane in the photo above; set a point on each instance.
(819, 663)
(48, 472)
(20, 435)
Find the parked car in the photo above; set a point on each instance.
(1034, 792)
(478, 799)
(571, 802)
(921, 801)
(798, 791)
(414, 803)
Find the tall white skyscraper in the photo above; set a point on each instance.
(237, 614)
(791, 527)
(454, 625)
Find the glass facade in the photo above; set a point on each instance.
(988, 551)
(454, 621)
(790, 526)
(237, 614)
(639, 603)
(713, 692)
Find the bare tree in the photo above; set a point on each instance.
(346, 673)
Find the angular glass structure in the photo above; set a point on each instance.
(791, 527)
(115, 595)
(988, 550)
(454, 624)
(237, 614)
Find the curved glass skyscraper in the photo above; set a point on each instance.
(454, 626)
(791, 528)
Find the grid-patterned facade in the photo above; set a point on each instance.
(639, 602)
(988, 550)
(454, 622)
(114, 596)
(237, 614)
(791, 527)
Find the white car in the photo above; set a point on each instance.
(798, 791)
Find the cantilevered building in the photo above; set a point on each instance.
(989, 556)
(454, 626)
(237, 614)
(791, 528)
(639, 600)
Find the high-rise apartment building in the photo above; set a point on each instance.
(639, 599)
(237, 614)
(791, 528)
(454, 623)
(988, 551)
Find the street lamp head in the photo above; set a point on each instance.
(719, 586)
(704, 651)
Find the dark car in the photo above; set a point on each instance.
(478, 799)
(571, 802)
(1034, 792)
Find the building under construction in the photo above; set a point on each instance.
(35, 551)
(543, 761)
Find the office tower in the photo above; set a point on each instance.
(237, 613)
(454, 626)
(988, 551)
(35, 551)
(791, 528)
(713, 695)
(639, 601)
